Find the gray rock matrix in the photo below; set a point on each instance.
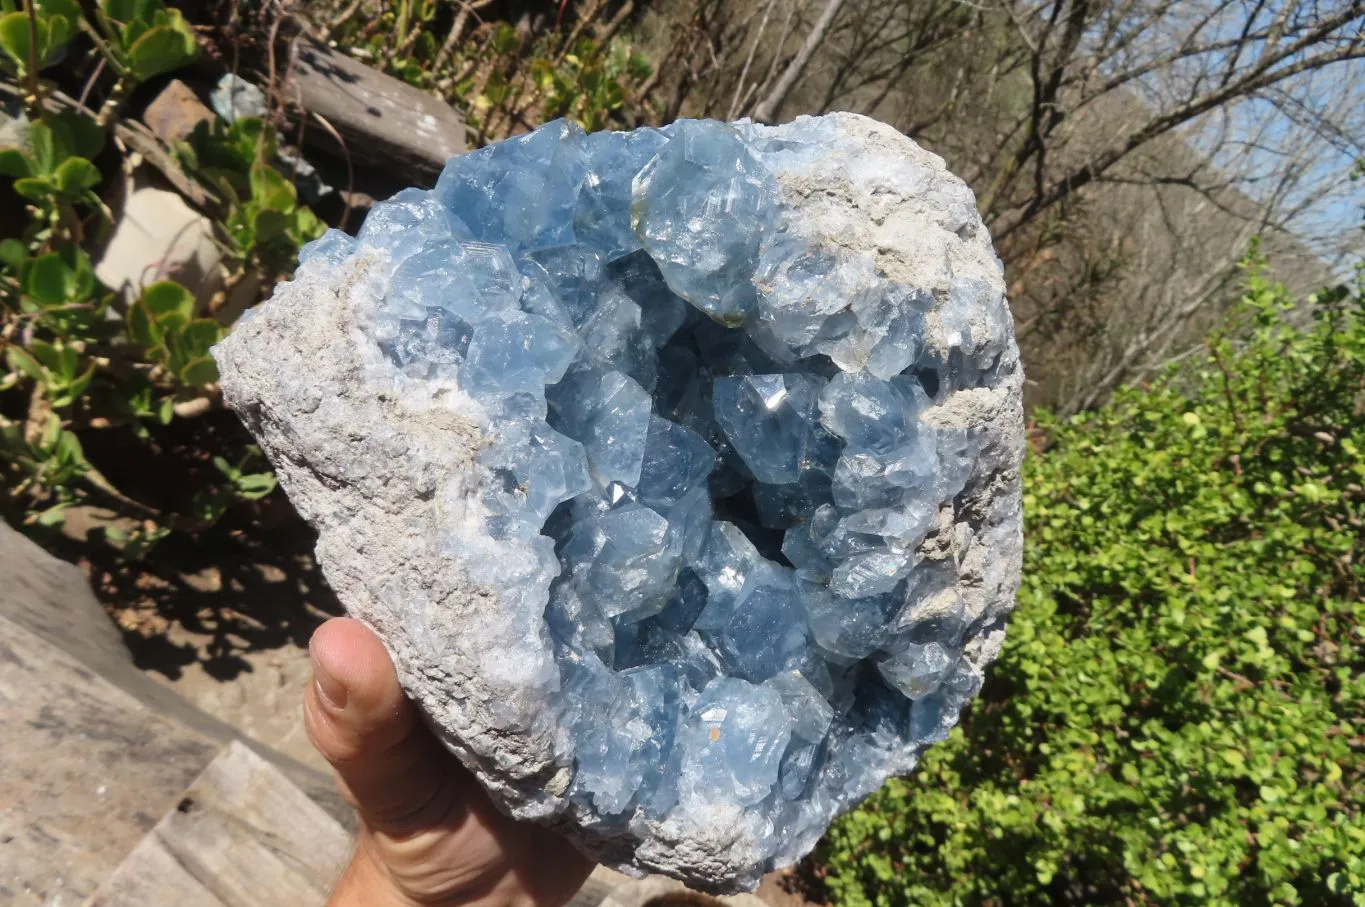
(383, 465)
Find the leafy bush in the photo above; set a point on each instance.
(53, 26)
(505, 79)
(83, 367)
(264, 224)
(590, 85)
(1178, 716)
(143, 39)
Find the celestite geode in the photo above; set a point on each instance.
(677, 468)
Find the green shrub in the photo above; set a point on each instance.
(505, 78)
(1177, 716)
(84, 370)
(263, 225)
(54, 24)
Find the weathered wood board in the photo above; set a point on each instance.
(49, 598)
(242, 835)
(85, 770)
(384, 122)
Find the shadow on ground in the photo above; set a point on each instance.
(210, 601)
(798, 886)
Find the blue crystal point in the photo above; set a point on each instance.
(521, 192)
(770, 421)
(702, 207)
(602, 214)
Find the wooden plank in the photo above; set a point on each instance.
(49, 598)
(241, 836)
(85, 770)
(153, 876)
(384, 122)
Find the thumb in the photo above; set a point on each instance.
(388, 764)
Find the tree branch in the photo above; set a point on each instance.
(767, 108)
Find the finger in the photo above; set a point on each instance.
(355, 712)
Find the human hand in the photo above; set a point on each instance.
(429, 835)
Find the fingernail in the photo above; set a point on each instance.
(330, 690)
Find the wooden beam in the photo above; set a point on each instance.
(242, 835)
(383, 122)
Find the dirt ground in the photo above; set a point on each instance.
(793, 887)
(263, 700)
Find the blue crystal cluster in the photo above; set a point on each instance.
(708, 428)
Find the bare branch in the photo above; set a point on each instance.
(767, 108)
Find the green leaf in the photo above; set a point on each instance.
(45, 280)
(69, 449)
(209, 506)
(132, 30)
(63, 19)
(14, 39)
(69, 9)
(75, 175)
(255, 486)
(80, 272)
(46, 148)
(167, 299)
(270, 189)
(142, 327)
(269, 224)
(77, 387)
(123, 11)
(68, 362)
(199, 372)
(14, 164)
(135, 545)
(171, 323)
(35, 189)
(162, 49)
(504, 38)
(12, 254)
(85, 138)
(197, 336)
(187, 152)
(20, 361)
(306, 225)
(47, 354)
(53, 516)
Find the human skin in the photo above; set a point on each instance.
(428, 834)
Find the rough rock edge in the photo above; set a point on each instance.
(385, 500)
